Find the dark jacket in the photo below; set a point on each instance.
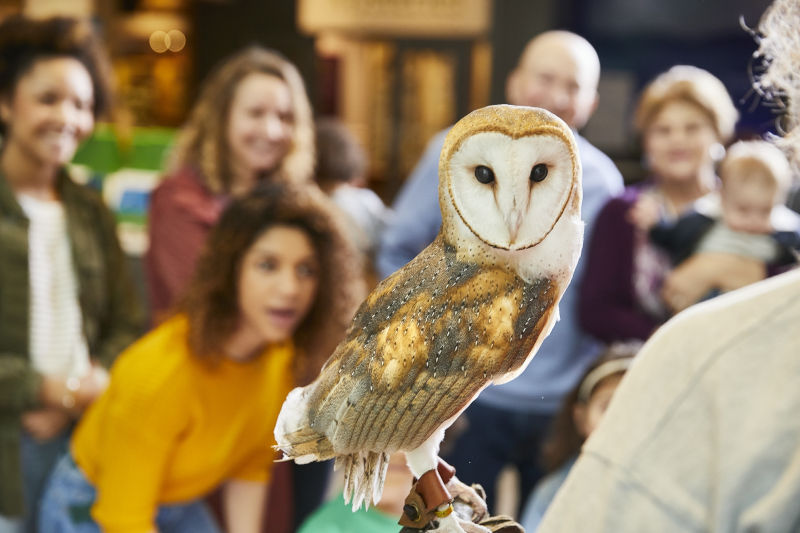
(681, 237)
(112, 316)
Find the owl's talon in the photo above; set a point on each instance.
(467, 497)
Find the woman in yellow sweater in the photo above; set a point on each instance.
(192, 405)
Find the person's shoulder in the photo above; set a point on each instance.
(676, 363)
(88, 201)
(708, 205)
(75, 192)
(428, 164)
(169, 335)
(598, 167)
(682, 352)
(349, 194)
(624, 200)
(439, 136)
(784, 219)
(183, 180)
(592, 154)
(158, 360)
(584, 145)
(183, 194)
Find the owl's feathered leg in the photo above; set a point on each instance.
(430, 502)
(429, 497)
(426, 456)
(429, 506)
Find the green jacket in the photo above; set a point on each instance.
(112, 315)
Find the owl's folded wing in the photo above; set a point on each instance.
(419, 353)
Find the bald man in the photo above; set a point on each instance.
(558, 71)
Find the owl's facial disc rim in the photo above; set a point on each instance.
(567, 199)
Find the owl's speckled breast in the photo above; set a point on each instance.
(437, 332)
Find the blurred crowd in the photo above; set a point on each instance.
(264, 238)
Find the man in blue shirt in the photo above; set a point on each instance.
(558, 71)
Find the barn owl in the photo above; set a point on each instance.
(470, 310)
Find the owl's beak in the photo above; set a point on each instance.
(513, 222)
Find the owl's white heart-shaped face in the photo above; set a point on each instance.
(510, 192)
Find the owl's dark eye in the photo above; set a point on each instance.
(484, 174)
(538, 172)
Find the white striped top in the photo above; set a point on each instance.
(56, 340)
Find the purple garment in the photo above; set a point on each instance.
(610, 307)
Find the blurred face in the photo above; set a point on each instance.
(746, 206)
(589, 415)
(260, 125)
(277, 285)
(50, 112)
(678, 142)
(559, 76)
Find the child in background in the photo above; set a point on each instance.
(580, 413)
(341, 172)
(67, 303)
(192, 405)
(732, 238)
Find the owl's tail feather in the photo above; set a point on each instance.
(294, 435)
(306, 446)
(364, 474)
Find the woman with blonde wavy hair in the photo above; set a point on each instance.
(252, 122)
